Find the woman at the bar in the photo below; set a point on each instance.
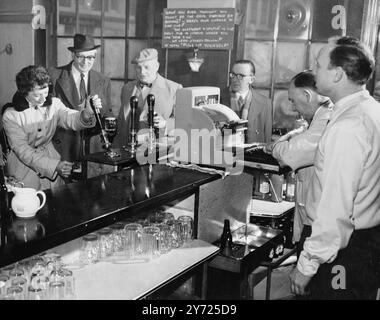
(30, 122)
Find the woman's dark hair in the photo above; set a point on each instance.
(304, 79)
(354, 58)
(30, 77)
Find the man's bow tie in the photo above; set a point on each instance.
(143, 84)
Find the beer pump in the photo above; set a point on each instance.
(153, 133)
(133, 133)
(103, 134)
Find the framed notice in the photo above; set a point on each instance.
(203, 28)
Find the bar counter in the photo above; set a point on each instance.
(120, 278)
(76, 209)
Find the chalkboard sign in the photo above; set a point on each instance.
(203, 28)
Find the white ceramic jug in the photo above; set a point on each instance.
(26, 202)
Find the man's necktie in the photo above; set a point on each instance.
(82, 88)
(242, 108)
(143, 84)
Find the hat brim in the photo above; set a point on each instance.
(73, 49)
(134, 61)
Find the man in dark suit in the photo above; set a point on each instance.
(248, 104)
(72, 83)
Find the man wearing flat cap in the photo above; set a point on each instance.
(148, 81)
(73, 83)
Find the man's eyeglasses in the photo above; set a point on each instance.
(238, 75)
(83, 58)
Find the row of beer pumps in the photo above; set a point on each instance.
(153, 133)
(198, 109)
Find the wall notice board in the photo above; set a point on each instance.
(203, 28)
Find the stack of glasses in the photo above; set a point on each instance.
(46, 277)
(137, 241)
(40, 277)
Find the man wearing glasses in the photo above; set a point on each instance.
(248, 104)
(72, 83)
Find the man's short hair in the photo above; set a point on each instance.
(304, 79)
(344, 40)
(249, 62)
(354, 57)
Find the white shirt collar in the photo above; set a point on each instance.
(344, 100)
(241, 94)
(76, 74)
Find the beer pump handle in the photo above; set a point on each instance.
(103, 134)
(133, 102)
(150, 99)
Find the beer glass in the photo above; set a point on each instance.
(187, 228)
(89, 252)
(36, 293)
(176, 233)
(68, 278)
(15, 273)
(15, 292)
(151, 241)
(21, 282)
(105, 242)
(118, 235)
(4, 283)
(53, 260)
(56, 290)
(7, 269)
(133, 244)
(110, 126)
(166, 237)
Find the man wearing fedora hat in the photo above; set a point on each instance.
(72, 83)
(148, 81)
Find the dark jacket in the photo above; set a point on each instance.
(67, 142)
(260, 117)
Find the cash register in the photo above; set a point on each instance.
(207, 132)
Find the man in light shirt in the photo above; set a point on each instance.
(72, 83)
(247, 103)
(297, 148)
(341, 258)
(148, 81)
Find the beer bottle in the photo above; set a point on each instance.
(264, 187)
(290, 186)
(226, 239)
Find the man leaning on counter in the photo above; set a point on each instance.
(341, 258)
(297, 148)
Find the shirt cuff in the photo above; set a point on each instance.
(306, 265)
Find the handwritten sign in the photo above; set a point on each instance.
(203, 28)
